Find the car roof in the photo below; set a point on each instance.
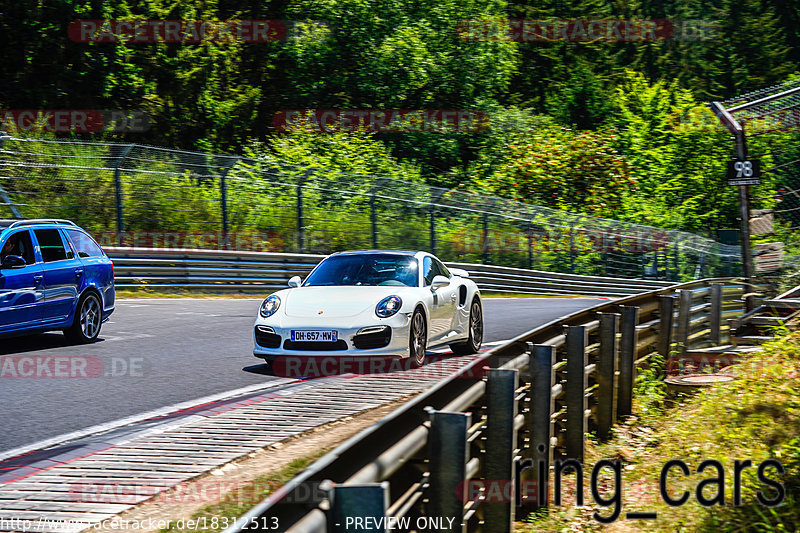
(8, 223)
(394, 252)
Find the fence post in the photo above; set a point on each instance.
(572, 248)
(701, 267)
(684, 317)
(373, 217)
(223, 189)
(529, 235)
(575, 392)
(675, 260)
(501, 441)
(7, 201)
(448, 453)
(715, 319)
(485, 258)
(627, 356)
(542, 359)
(3, 194)
(373, 211)
(368, 500)
(606, 370)
(124, 150)
(666, 317)
(301, 223)
(432, 214)
(655, 265)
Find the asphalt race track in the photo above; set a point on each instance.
(159, 352)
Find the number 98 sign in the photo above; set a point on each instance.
(744, 172)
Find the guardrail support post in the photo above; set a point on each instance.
(123, 151)
(575, 392)
(448, 454)
(348, 502)
(684, 318)
(542, 359)
(666, 319)
(715, 319)
(627, 356)
(501, 441)
(606, 371)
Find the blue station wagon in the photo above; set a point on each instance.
(53, 276)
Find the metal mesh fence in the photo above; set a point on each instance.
(777, 115)
(138, 195)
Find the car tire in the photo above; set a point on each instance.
(417, 338)
(473, 343)
(88, 320)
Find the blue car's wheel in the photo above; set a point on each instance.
(88, 319)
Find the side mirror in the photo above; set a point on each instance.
(295, 281)
(461, 273)
(439, 282)
(13, 261)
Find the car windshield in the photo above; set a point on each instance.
(366, 269)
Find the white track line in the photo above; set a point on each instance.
(107, 426)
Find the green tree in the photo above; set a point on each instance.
(541, 162)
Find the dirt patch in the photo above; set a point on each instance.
(181, 502)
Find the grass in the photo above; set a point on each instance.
(184, 293)
(755, 417)
(216, 516)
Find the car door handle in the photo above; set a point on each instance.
(78, 272)
(37, 280)
(453, 297)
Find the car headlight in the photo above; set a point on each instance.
(389, 306)
(269, 306)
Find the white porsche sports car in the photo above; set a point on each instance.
(373, 303)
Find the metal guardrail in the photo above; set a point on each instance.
(457, 451)
(260, 272)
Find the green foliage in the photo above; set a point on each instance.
(614, 129)
(677, 153)
(333, 153)
(548, 164)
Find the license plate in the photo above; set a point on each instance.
(314, 336)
